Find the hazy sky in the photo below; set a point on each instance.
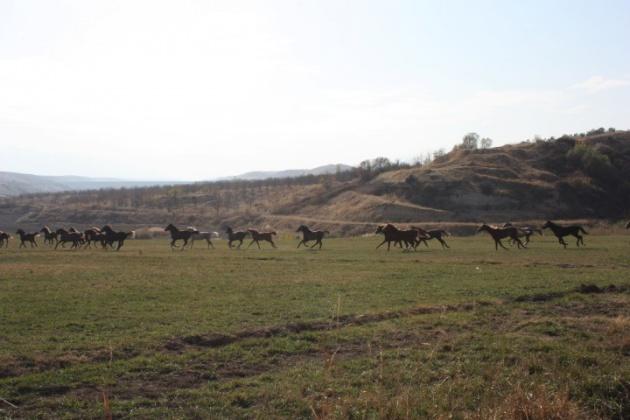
(200, 89)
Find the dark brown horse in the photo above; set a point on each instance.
(50, 237)
(179, 235)
(27, 237)
(112, 236)
(94, 236)
(392, 234)
(4, 239)
(427, 235)
(261, 236)
(562, 231)
(502, 233)
(311, 235)
(64, 236)
(235, 237)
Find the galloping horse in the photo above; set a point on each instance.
(562, 231)
(235, 236)
(524, 231)
(94, 235)
(112, 236)
(27, 237)
(502, 233)
(392, 234)
(64, 236)
(4, 239)
(311, 235)
(179, 235)
(261, 236)
(198, 236)
(427, 235)
(50, 237)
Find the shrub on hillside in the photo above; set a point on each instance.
(594, 163)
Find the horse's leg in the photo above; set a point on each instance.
(443, 242)
(240, 244)
(250, 244)
(301, 242)
(173, 244)
(320, 243)
(258, 243)
(379, 245)
(272, 244)
(120, 244)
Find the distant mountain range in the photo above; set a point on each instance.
(13, 183)
(291, 173)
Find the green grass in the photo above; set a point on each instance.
(204, 332)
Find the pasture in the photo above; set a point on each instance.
(342, 332)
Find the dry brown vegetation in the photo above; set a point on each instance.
(570, 177)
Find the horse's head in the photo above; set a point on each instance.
(547, 224)
(60, 231)
(302, 228)
(168, 228)
(483, 227)
(380, 229)
(45, 229)
(228, 230)
(508, 224)
(106, 228)
(20, 232)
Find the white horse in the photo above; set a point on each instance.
(202, 236)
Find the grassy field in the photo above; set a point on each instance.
(346, 332)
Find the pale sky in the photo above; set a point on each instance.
(194, 90)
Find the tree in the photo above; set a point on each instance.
(486, 143)
(470, 141)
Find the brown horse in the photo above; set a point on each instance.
(427, 235)
(4, 239)
(27, 237)
(502, 233)
(392, 234)
(562, 231)
(261, 236)
(235, 237)
(93, 236)
(112, 236)
(64, 236)
(311, 235)
(524, 231)
(50, 237)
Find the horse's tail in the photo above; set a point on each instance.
(581, 229)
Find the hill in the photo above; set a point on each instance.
(292, 173)
(569, 177)
(13, 184)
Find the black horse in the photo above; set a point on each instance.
(27, 237)
(562, 231)
(311, 235)
(179, 235)
(4, 239)
(235, 237)
(112, 236)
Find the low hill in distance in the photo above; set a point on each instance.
(291, 173)
(13, 184)
(569, 177)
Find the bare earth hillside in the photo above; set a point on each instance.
(570, 177)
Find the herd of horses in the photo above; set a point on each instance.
(408, 239)
(106, 237)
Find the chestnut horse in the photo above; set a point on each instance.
(502, 233)
(179, 235)
(311, 235)
(235, 237)
(524, 231)
(261, 236)
(27, 237)
(562, 231)
(427, 235)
